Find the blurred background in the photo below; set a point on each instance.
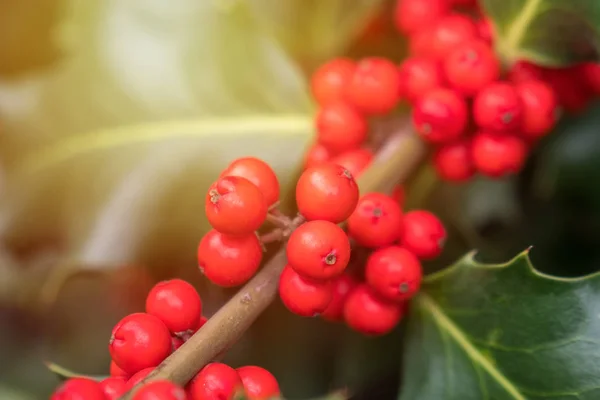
(116, 115)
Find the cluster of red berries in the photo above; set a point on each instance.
(141, 341)
(479, 118)
(371, 296)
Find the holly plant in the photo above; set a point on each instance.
(309, 191)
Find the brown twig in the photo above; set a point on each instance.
(396, 160)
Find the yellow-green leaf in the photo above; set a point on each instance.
(548, 32)
(314, 30)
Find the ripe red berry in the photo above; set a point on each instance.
(340, 126)
(440, 116)
(394, 272)
(498, 108)
(176, 343)
(139, 341)
(375, 221)
(523, 71)
(160, 390)
(330, 80)
(79, 389)
(138, 377)
(235, 206)
(418, 75)
(326, 192)
(316, 154)
(374, 87)
(176, 303)
(421, 43)
(571, 87)
(229, 261)
(342, 285)
(114, 387)
(368, 313)
(412, 15)
(471, 66)
(399, 195)
(423, 234)
(498, 155)
(453, 161)
(216, 381)
(304, 296)
(591, 74)
(540, 108)
(259, 383)
(259, 173)
(115, 370)
(354, 161)
(318, 250)
(449, 32)
(485, 30)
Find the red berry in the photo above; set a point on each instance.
(421, 43)
(423, 234)
(375, 221)
(418, 75)
(571, 87)
(160, 390)
(201, 323)
(498, 155)
(235, 206)
(304, 296)
(441, 116)
(326, 192)
(591, 73)
(79, 389)
(229, 261)
(374, 87)
(330, 80)
(316, 154)
(540, 108)
(449, 32)
(216, 381)
(394, 272)
(498, 108)
(354, 161)
(453, 161)
(176, 303)
(259, 173)
(368, 313)
(471, 66)
(342, 285)
(523, 71)
(176, 343)
(411, 15)
(114, 387)
(318, 250)
(259, 383)
(139, 341)
(115, 370)
(340, 127)
(138, 377)
(485, 30)
(399, 195)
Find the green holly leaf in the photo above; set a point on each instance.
(503, 332)
(313, 30)
(63, 373)
(548, 32)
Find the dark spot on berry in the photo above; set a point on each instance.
(330, 259)
(404, 287)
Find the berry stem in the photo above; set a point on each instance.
(399, 157)
(275, 235)
(279, 220)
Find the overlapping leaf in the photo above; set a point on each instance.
(549, 32)
(503, 332)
